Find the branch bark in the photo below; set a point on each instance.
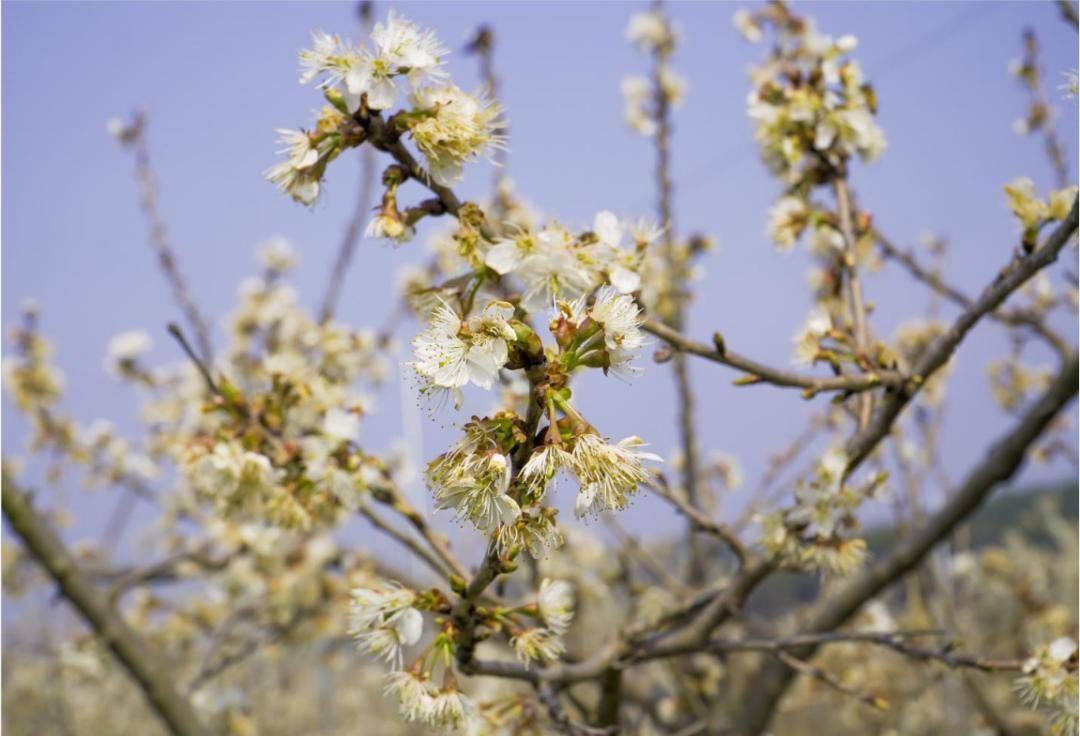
(1002, 460)
(159, 240)
(859, 325)
(761, 373)
(941, 349)
(1012, 318)
(133, 653)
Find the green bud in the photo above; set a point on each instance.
(335, 98)
(528, 342)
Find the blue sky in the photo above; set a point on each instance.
(217, 78)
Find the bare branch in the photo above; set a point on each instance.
(353, 231)
(559, 716)
(805, 668)
(761, 373)
(145, 666)
(701, 521)
(1012, 318)
(941, 349)
(1069, 12)
(856, 303)
(135, 135)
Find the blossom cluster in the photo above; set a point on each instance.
(449, 126)
(476, 478)
(812, 108)
(1050, 677)
(387, 619)
(1033, 212)
(819, 530)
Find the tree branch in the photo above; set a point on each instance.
(1012, 318)
(761, 373)
(859, 325)
(159, 236)
(144, 666)
(1002, 460)
(942, 348)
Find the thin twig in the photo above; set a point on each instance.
(159, 236)
(560, 718)
(701, 521)
(353, 230)
(856, 303)
(759, 373)
(379, 523)
(178, 334)
(1010, 317)
(817, 673)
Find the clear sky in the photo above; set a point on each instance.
(217, 78)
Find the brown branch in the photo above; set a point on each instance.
(701, 521)
(760, 373)
(1069, 13)
(563, 721)
(676, 267)
(411, 544)
(1041, 108)
(381, 135)
(144, 665)
(611, 686)
(635, 552)
(390, 495)
(204, 370)
(135, 135)
(1010, 317)
(856, 303)
(163, 570)
(894, 640)
(942, 348)
(353, 230)
(351, 238)
(1002, 460)
(212, 669)
(810, 670)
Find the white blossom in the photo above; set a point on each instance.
(277, 254)
(126, 348)
(455, 128)
(383, 621)
(556, 603)
(648, 30)
(608, 474)
(341, 425)
(453, 352)
(537, 645)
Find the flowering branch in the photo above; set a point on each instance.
(1002, 460)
